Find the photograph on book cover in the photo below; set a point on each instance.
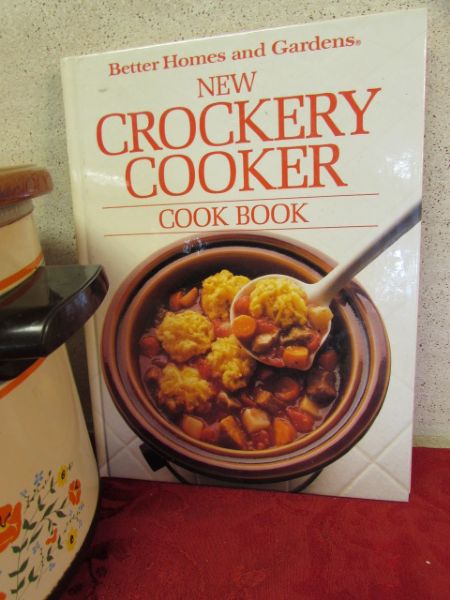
(255, 201)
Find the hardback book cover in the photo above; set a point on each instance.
(255, 201)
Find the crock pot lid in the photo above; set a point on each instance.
(22, 183)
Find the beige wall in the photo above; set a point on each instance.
(35, 34)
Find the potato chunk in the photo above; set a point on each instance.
(232, 432)
(283, 432)
(192, 426)
(268, 401)
(227, 402)
(264, 342)
(310, 407)
(320, 317)
(255, 419)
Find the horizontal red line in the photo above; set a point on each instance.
(239, 200)
(238, 230)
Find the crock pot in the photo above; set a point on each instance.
(365, 375)
(49, 480)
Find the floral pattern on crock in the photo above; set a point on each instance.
(10, 524)
(38, 528)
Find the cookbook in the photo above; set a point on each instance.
(222, 183)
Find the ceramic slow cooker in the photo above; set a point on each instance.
(365, 365)
(49, 483)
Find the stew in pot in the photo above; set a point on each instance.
(201, 379)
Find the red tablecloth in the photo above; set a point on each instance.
(172, 541)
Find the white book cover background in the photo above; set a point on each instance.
(325, 119)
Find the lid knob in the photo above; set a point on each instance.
(23, 183)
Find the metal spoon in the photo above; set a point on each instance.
(322, 292)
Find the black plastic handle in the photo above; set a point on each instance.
(42, 313)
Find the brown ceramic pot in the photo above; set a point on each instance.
(365, 366)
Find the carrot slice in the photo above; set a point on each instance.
(244, 327)
(189, 299)
(287, 389)
(175, 301)
(296, 357)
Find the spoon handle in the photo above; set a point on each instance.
(330, 285)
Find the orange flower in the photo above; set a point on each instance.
(2, 596)
(10, 524)
(51, 539)
(75, 492)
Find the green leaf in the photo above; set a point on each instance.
(49, 555)
(27, 525)
(60, 514)
(40, 504)
(16, 549)
(21, 569)
(19, 587)
(60, 546)
(35, 535)
(49, 509)
(23, 566)
(31, 576)
(63, 503)
(52, 485)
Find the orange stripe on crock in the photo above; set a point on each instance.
(22, 273)
(11, 385)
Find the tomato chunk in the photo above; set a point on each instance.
(221, 328)
(149, 345)
(314, 343)
(203, 367)
(328, 360)
(242, 305)
(302, 421)
(153, 373)
(265, 373)
(261, 440)
(211, 433)
(266, 326)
